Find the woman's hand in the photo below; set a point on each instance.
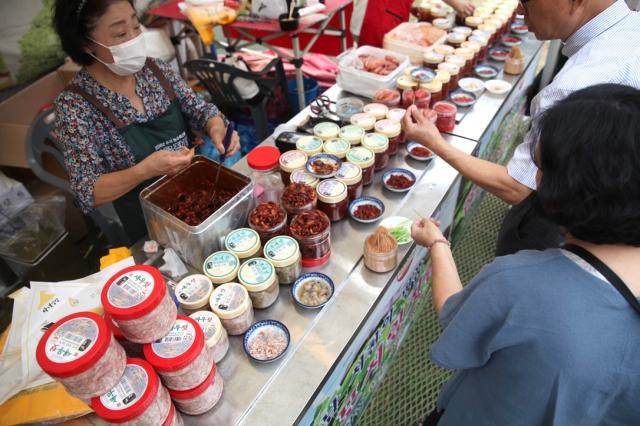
(217, 131)
(417, 127)
(165, 162)
(425, 232)
(462, 7)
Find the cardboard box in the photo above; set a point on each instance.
(18, 112)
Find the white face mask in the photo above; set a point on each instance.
(128, 57)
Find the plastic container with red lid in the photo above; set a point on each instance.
(138, 301)
(137, 398)
(201, 398)
(263, 158)
(133, 350)
(173, 418)
(81, 353)
(265, 174)
(181, 358)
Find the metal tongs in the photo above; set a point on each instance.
(225, 144)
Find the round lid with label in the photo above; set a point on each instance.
(243, 242)
(377, 110)
(178, 348)
(221, 267)
(444, 49)
(133, 292)
(282, 251)
(465, 31)
(326, 130)
(406, 82)
(465, 53)
(302, 176)
(481, 33)
(443, 76)
(433, 86)
(292, 160)
(349, 174)
(364, 120)
(331, 191)
(257, 274)
(73, 344)
(352, 134)
(396, 114)
(452, 69)
(361, 156)
(376, 142)
(441, 23)
(210, 325)
(193, 291)
(182, 395)
(432, 57)
(389, 128)
(473, 21)
(457, 60)
(133, 394)
(230, 300)
(338, 147)
(481, 39)
(472, 45)
(310, 145)
(490, 28)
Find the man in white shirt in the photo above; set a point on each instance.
(602, 41)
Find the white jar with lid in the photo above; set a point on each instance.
(351, 175)
(379, 111)
(221, 267)
(284, 254)
(302, 176)
(193, 292)
(379, 145)
(392, 130)
(333, 199)
(363, 120)
(244, 243)
(338, 147)
(396, 114)
(215, 336)
(232, 304)
(365, 159)
(326, 130)
(352, 134)
(290, 161)
(259, 277)
(310, 145)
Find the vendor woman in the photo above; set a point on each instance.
(124, 119)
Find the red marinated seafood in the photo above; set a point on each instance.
(267, 215)
(194, 206)
(298, 195)
(367, 211)
(309, 223)
(419, 151)
(399, 182)
(322, 168)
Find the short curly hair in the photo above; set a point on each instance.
(74, 20)
(589, 155)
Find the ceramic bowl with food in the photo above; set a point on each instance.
(398, 180)
(423, 75)
(266, 341)
(473, 85)
(312, 290)
(323, 166)
(419, 152)
(499, 54)
(486, 71)
(366, 209)
(519, 28)
(399, 227)
(498, 87)
(511, 40)
(462, 98)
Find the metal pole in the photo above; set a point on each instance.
(298, 63)
(343, 29)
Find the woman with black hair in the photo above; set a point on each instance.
(553, 337)
(125, 118)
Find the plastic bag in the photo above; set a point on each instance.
(26, 236)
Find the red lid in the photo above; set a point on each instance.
(192, 393)
(263, 158)
(169, 419)
(114, 327)
(133, 394)
(73, 344)
(178, 348)
(310, 263)
(133, 292)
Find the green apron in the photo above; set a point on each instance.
(168, 131)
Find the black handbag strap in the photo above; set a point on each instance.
(606, 272)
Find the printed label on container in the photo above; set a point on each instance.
(375, 140)
(228, 297)
(326, 130)
(293, 159)
(72, 340)
(193, 288)
(336, 146)
(280, 248)
(256, 271)
(378, 110)
(301, 176)
(208, 322)
(242, 240)
(352, 132)
(363, 119)
(130, 289)
(177, 342)
(309, 143)
(331, 188)
(221, 264)
(360, 155)
(396, 114)
(388, 127)
(132, 385)
(348, 171)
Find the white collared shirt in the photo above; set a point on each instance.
(604, 50)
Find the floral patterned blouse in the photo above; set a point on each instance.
(92, 145)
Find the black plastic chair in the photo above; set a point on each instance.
(40, 142)
(218, 77)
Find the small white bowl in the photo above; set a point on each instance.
(473, 85)
(498, 87)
